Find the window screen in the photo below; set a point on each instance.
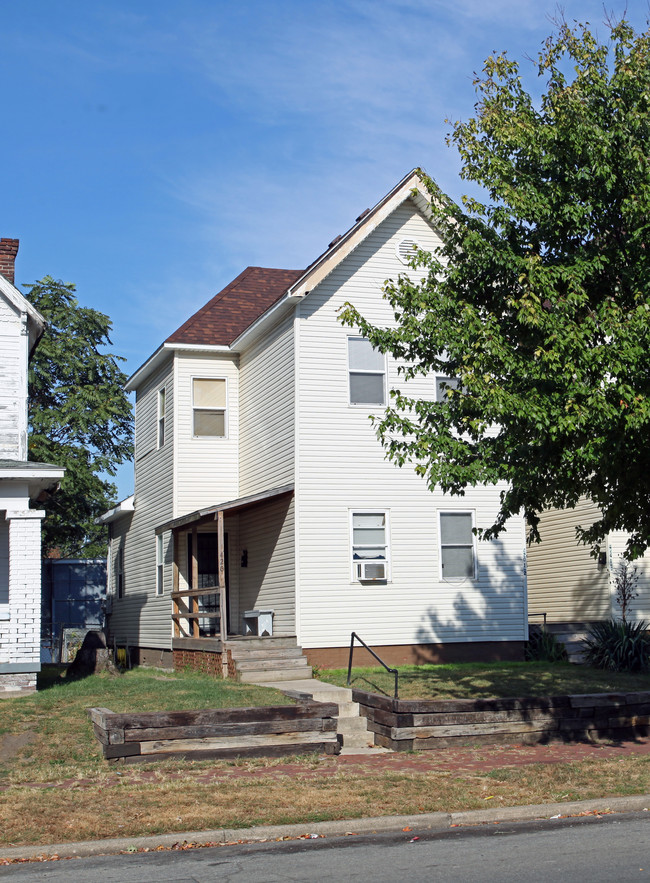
(209, 401)
(457, 545)
(367, 373)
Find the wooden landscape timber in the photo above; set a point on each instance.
(420, 725)
(271, 731)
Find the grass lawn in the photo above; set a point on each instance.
(479, 680)
(58, 736)
(56, 787)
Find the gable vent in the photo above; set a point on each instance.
(406, 250)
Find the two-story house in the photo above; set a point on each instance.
(263, 500)
(21, 482)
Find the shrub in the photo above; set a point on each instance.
(626, 581)
(542, 646)
(618, 646)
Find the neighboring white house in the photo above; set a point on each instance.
(257, 469)
(21, 327)
(569, 585)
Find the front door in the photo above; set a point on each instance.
(207, 553)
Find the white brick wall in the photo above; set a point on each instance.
(20, 635)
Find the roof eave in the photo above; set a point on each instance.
(164, 351)
(125, 507)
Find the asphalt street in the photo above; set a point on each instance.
(594, 849)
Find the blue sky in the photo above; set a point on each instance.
(152, 149)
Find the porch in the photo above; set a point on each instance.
(233, 583)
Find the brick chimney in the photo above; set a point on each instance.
(8, 252)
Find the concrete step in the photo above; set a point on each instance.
(255, 643)
(357, 740)
(347, 726)
(275, 664)
(346, 709)
(270, 675)
(270, 653)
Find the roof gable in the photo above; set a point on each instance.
(229, 313)
(36, 323)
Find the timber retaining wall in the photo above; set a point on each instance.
(271, 731)
(416, 725)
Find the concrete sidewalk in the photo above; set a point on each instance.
(411, 825)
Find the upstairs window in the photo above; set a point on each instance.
(160, 565)
(370, 557)
(162, 394)
(457, 545)
(443, 385)
(119, 571)
(367, 369)
(209, 408)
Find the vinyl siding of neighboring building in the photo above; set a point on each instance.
(640, 607)
(141, 617)
(267, 412)
(341, 468)
(564, 580)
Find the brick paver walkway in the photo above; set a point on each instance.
(461, 760)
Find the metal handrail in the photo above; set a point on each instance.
(393, 671)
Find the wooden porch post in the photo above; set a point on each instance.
(194, 606)
(223, 614)
(175, 585)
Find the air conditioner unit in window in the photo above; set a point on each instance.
(368, 570)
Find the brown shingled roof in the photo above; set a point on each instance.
(230, 312)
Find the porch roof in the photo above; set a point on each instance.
(229, 506)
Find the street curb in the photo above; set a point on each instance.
(436, 821)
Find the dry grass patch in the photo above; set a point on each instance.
(133, 807)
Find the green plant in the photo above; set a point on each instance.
(542, 646)
(618, 646)
(626, 580)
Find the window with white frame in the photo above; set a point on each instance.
(162, 397)
(367, 369)
(160, 565)
(457, 545)
(209, 398)
(119, 571)
(370, 550)
(443, 385)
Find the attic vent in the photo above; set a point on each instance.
(335, 240)
(362, 215)
(406, 250)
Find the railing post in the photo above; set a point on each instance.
(352, 637)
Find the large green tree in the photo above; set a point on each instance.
(538, 298)
(79, 417)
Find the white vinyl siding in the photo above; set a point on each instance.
(341, 467)
(267, 411)
(267, 582)
(142, 617)
(564, 580)
(207, 468)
